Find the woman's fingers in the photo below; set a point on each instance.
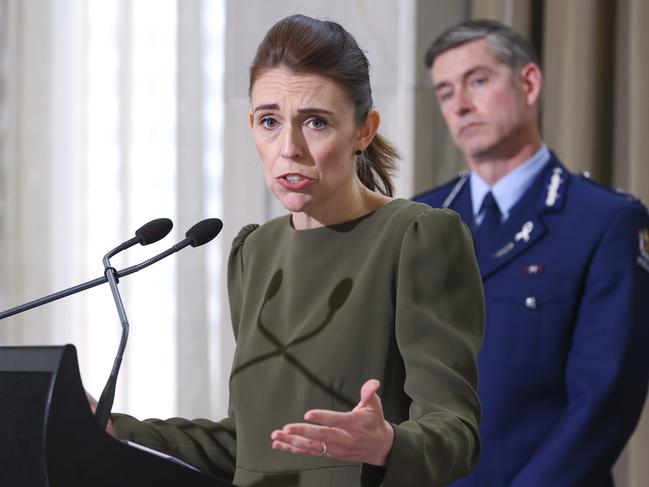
(361, 435)
(297, 444)
(368, 391)
(92, 403)
(333, 419)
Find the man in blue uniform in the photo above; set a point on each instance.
(565, 266)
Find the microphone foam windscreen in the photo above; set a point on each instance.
(154, 230)
(204, 231)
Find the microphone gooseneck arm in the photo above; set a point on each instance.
(138, 267)
(199, 234)
(105, 403)
(88, 284)
(52, 297)
(148, 233)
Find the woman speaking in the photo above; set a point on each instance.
(357, 317)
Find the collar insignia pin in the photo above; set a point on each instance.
(504, 250)
(525, 232)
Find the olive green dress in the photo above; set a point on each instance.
(394, 295)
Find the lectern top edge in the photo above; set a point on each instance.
(44, 359)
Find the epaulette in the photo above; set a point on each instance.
(457, 183)
(585, 176)
(450, 184)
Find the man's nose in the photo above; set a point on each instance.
(462, 104)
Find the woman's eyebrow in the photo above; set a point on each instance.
(268, 106)
(315, 110)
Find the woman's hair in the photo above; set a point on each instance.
(305, 45)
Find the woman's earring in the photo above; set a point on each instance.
(359, 152)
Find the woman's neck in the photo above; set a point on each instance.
(352, 204)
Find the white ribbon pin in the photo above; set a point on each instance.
(525, 232)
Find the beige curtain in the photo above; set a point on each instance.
(595, 111)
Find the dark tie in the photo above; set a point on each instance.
(491, 221)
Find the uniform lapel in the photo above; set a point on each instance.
(525, 225)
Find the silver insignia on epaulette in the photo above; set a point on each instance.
(553, 187)
(643, 257)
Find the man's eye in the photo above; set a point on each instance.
(268, 123)
(316, 123)
(479, 81)
(445, 95)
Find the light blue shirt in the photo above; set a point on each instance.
(508, 189)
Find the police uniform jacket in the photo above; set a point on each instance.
(564, 367)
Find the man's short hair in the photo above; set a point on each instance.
(506, 45)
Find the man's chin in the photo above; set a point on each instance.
(478, 152)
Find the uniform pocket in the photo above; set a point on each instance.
(530, 322)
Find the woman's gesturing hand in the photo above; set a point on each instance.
(92, 402)
(361, 435)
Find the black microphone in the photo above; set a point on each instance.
(154, 230)
(204, 231)
(146, 234)
(199, 234)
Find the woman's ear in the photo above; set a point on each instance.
(251, 120)
(368, 129)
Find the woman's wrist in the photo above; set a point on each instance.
(385, 445)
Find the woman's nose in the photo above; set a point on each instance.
(293, 143)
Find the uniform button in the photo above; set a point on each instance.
(530, 302)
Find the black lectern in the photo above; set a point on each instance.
(49, 437)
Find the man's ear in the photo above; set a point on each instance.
(531, 81)
(368, 129)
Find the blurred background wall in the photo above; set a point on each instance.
(114, 112)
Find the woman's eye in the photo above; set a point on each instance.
(268, 122)
(316, 123)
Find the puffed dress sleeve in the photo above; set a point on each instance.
(439, 330)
